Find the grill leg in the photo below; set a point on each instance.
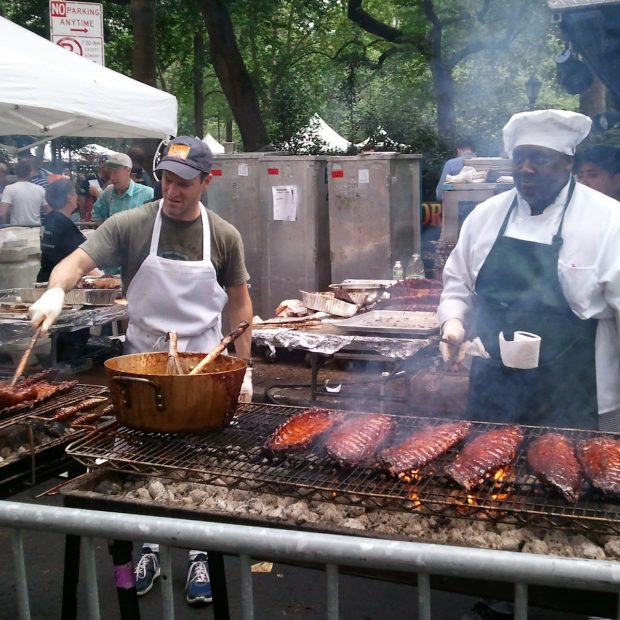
(71, 577)
(218, 585)
(124, 576)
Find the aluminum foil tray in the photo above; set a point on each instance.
(326, 302)
(392, 322)
(364, 285)
(75, 297)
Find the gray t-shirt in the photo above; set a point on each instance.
(125, 239)
(26, 200)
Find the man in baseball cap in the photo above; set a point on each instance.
(180, 266)
(122, 193)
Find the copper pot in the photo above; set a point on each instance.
(148, 399)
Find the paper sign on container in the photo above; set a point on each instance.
(363, 176)
(243, 170)
(285, 202)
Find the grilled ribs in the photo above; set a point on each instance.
(552, 458)
(358, 438)
(422, 447)
(600, 459)
(484, 455)
(31, 394)
(301, 430)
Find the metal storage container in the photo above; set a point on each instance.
(374, 213)
(459, 199)
(234, 194)
(293, 193)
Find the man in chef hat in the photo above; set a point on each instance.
(541, 259)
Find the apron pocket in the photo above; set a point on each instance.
(579, 285)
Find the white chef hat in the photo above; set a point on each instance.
(559, 130)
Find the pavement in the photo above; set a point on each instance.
(280, 591)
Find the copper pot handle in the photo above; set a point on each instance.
(160, 404)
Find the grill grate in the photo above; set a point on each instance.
(234, 457)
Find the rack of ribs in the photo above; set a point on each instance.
(484, 455)
(600, 459)
(552, 458)
(301, 430)
(422, 447)
(358, 438)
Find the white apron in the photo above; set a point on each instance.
(174, 295)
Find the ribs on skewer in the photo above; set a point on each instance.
(301, 430)
(484, 455)
(600, 459)
(70, 411)
(422, 447)
(358, 438)
(552, 458)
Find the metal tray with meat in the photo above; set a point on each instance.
(392, 322)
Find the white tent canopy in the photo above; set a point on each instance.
(317, 127)
(47, 91)
(94, 150)
(213, 144)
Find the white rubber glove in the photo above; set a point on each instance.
(46, 310)
(245, 396)
(453, 331)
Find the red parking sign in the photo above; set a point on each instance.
(58, 9)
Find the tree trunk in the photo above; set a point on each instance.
(199, 95)
(142, 14)
(443, 85)
(233, 75)
(593, 100)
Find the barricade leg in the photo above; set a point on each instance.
(218, 585)
(125, 580)
(71, 577)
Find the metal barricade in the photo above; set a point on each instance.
(330, 550)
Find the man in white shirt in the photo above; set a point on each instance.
(22, 201)
(542, 258)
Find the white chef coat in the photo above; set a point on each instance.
(588, 267)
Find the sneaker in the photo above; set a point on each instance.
(198, 586)
(147, 571)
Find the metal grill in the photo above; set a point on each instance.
(43, 410)
(234, 457)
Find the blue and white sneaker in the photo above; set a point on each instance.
(147, 571)
(198, 586)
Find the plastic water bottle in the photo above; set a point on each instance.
(415, 268)
(397, 271)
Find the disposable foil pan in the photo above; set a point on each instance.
(75, 297)
(326, 302)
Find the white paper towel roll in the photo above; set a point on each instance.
(522, 352)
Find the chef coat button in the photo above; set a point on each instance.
(519, 220)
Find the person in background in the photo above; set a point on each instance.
(138, 158)
(4, 169)
(598, 167)
(22, 201)
(59, 237)
(38, 175)
(122, 194)
(137, 174)
(464, 149)
(541, 258)
(180, 266)
(100, 180)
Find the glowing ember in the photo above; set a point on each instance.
(415, 500)
(500, 474)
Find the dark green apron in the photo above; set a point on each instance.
(518, 288)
